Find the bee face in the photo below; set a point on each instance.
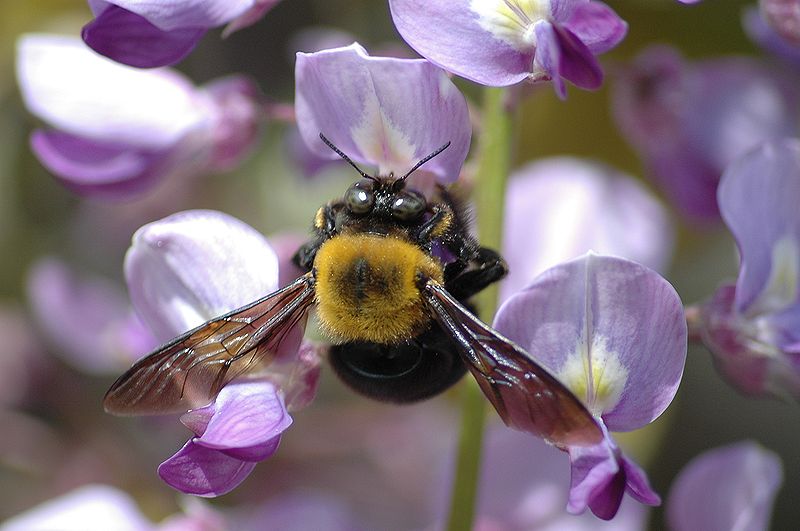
(386, 198)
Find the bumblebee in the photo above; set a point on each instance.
(390, 273)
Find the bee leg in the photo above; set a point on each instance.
(304, 257)
(484, 269)
(435, 226)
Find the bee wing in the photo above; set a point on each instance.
(190, 370)
(524, 393)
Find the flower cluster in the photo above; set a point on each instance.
(115, 131)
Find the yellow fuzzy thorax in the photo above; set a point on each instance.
(367, 288)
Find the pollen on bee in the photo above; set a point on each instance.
(367, 288)
(319, 219)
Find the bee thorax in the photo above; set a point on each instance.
(367, 288)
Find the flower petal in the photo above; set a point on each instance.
(612, 330)
(247, 413)
(238, 124)
(567, 57)
(250, 17)
(758, 199)
(784, 17)
(86, 319)
(79, 92)
(87, 508)
(600, 476)
(192, 266)
(286, 245)
(754, 356)
(524, 485)
(732, 487)
(597, 26)
(96, 168)
(300, 387)
(172, 14)
(203, 471)
(766, 37)
(594, 207)
(548, 57)
(131, 39)
(448, 34)
(383, 111)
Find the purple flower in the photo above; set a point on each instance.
(241, 427)
(504, 42)
(116, 131)
(613, 332)
(753, 327)
(148, 34)
(732, 487)
(689, 121)
(382, 111)
(184, 270)
(784, 17)
(90, 507)
(559, 208)
(523, 486)
(88, 320)
(776, 39)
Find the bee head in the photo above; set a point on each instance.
(386, 196)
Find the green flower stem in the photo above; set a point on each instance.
(493, 168)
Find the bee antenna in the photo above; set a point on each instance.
(424, 160)
(345, 157)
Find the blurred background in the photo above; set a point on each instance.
(342, 449)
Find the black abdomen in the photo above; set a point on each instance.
(417, 369)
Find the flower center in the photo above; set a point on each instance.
(512, 21)
(595, 374)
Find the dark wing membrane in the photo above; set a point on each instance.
(524, 393)
(190, 370)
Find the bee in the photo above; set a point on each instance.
(390, 273)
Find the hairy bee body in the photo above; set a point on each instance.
(368, 288)
(370, 266)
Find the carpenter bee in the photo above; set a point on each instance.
(390, 273)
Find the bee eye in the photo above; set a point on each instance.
(359, 200)
(408, 205)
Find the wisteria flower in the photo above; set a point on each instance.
(613, 332)
(559, 208)
(189, 268)
(113, 131)
(382, 111)
(732, 487)
(753, 327)
(504, 42)
(148, 34)
(688, 121)
(524, 484)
